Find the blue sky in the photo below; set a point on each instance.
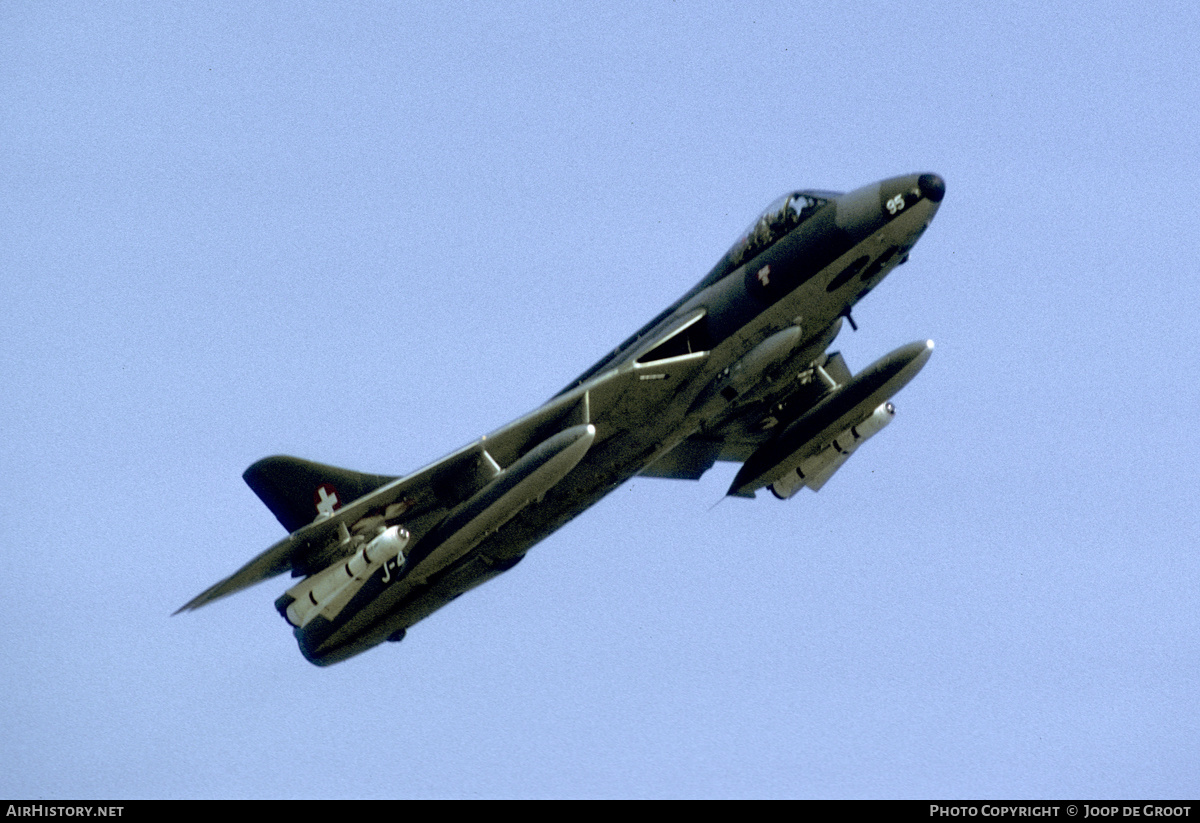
(366, 235)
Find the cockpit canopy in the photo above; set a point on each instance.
(777, 219)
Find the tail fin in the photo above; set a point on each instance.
(297, 491)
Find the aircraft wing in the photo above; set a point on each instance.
(428, 490)
(687, 461)
(740, 435)
(424, 498)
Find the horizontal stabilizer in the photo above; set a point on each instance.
(297, 492)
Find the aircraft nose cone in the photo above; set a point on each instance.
(932, 187)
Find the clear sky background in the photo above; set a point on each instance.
(368, 233)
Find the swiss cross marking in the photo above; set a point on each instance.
(764, 275)
(326, 499)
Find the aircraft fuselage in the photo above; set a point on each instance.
(730, 347)
(734, 370)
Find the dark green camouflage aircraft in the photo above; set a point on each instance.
(735, 370)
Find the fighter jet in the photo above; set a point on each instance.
(734, 370)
